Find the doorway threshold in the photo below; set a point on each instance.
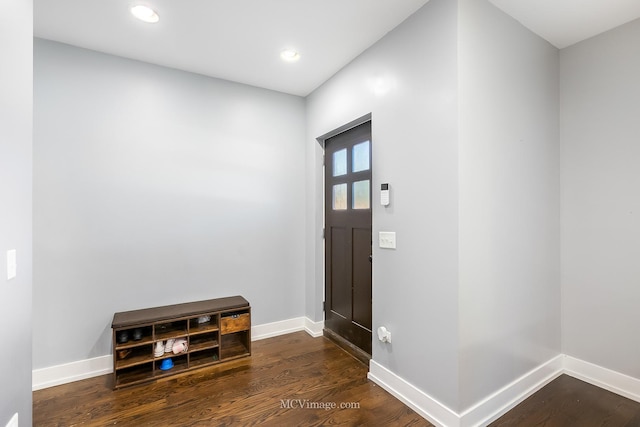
(351, 349)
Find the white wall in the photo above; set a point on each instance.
(408, 82)
(16, 106)
(600, 122)
(154, 186)
(509, 201)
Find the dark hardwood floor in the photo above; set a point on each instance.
(569, 402)
(296, 370)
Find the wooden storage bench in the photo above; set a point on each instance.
(214, 331)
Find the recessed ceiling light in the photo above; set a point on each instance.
(145, 13)
(290, 55)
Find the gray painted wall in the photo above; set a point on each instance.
(150, 182)
(408, 82)
(472, 294)
(16, 107)
(154, 186)
(600, 111)
(509, 201)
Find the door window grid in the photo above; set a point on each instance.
(357, 160)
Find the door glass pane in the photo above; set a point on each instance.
(361, 194)
(360, 158)
(340, 162)
(339, 197)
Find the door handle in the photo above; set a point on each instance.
(370, 258)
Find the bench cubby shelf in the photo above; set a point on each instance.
(216, 331)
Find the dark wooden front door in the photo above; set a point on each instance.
(348, 235)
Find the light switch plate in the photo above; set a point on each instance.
(12, 266)
(387, 239)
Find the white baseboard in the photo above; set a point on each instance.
(88, 368)
(429, 408)
(69, 372)
(313, 328)
(268, 330)
(497, 404)
(607, 379)
(503, 400)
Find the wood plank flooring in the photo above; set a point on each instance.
(569, 402)
(269, 388)
(292, 380)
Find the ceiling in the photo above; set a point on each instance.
(566, 22)
(241, 40)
